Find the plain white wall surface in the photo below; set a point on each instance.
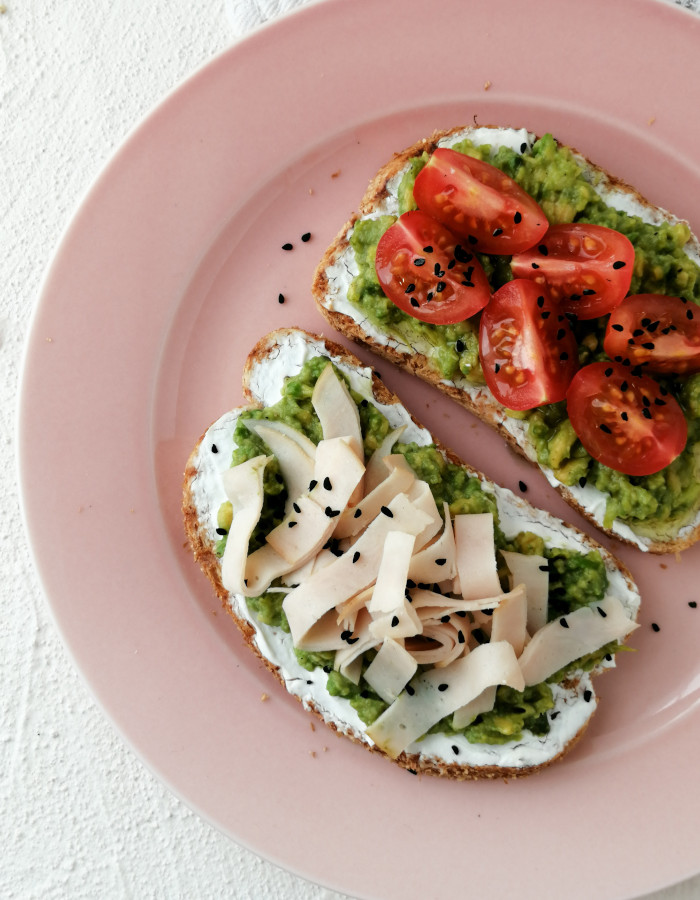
(81, 817)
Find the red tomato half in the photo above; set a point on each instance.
(479, 203)
(626, 421)
(661, 333)
(587, 268)
(423, 270)
(527, 348)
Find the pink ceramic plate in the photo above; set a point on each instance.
(169, 273)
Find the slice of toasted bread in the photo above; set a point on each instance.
(282, 354)
(338, 267)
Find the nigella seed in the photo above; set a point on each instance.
(327, 483)
(331, 513)
(608, 657)
(280, 298)
(655, 627)
(540, 302)
(410, 583)
(296, 507)
(517, 218)
(410, 289)
(692, 604)
(387, 512)
(312, 484)
(496, 232)
(287, 246)
(689, 313)
(522, 486)
(462, 614)
(414, 302)
(618, 327)
(604, 428)
(497, 368)
(358, 513)
(646, 412)
(619, 264)
(563, 623)
(523, 147)
(441, 285)
(545, 315)
(455, 749)
(588, 292)
(624, 386)
(440, 562)
(460, 637)
(451, 264)
(394, 621)
(646, 401)
(543, 250)
(445, 619)
(356, 556)
(410, 690)
(563, 356)
(291, 524)
(587, 696)
(443, 686)
(419, 261)
(654, 325)
(649, 345)
(427, 249)
(353, 640)
(459, 346)
(601, 612)
(462, 255)
(344, 635)
(560, 334)
(608, 373)
(535, 266)
(221, 531)
(439, 272)
(543, 568)
(306, 237)
(582, 481)
(658, 402)
(554, 714)
(624, 416)
(472, 239)
(429, 296)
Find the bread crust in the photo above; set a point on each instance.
(201, 542)
(417, 364)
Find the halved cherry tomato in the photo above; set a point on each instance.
(588, 268)
(625, 419)
(527, 348)
(660, 333)
(479, 203)
(424, 270)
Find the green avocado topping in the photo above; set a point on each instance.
(575, 579)
(655, 505)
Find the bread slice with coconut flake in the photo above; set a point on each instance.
(339, 267)
(374, 571)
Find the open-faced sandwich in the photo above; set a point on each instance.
(548, 298)
(417, 608)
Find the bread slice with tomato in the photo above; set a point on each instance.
(551, 300)
(429, 623)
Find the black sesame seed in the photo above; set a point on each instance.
(619, 264)
(540, 302)
(646, 413)
(543, 250)
(496, 232)
(655, 627)
(327, 483)
(280, 298)
(554, 714)
(291, 524)
(412, 771)
(522, 486)
(429, 296)
(624, 386)
(306, 236)
(604, 428)
(689, 313)
(214, 448)
(608, 657)
(419, 261)
(410, 690)
(410, 289)
(287, 246)
(563, 356)
(414, 302)
(440, 287)
(439, 272)
(497, 368)
(394, 621)
(535, 266)
(646, 401)
(462, 613)
(624, 416)
(443, 686)
(545, 315)
(601, 611)
(587, 696)
(331, 513)
(445, 619)
(561, 333)
(523, 147)
(427, 249)
(441, 561)
(692, 604)
(222, 531)
(543, 568)
(618, 327)
(649, 345)
(646, 321)
(658, 402)
(588, 291)
(608, 373)
(344, 635)
(327, 670)
(451, 264)
(387, 512)
(356, 556)
(462, 255)
(517, 218)
(455, 749)
(312, 484)
(459, 346)
(353, 640)
(563, 623)
(460, 637)
(357, 513)
(582, 481)
(654, 325)
(472, 239)
(296, 507)
(410, 583)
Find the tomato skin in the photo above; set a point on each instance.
(527, 349)
(424, 270)
(479, 203)
(588, 268)
(618, 426)
(658, 332)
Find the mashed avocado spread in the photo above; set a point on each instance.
(655, 505)
(575, 579)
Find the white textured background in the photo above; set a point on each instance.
(79, 815)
